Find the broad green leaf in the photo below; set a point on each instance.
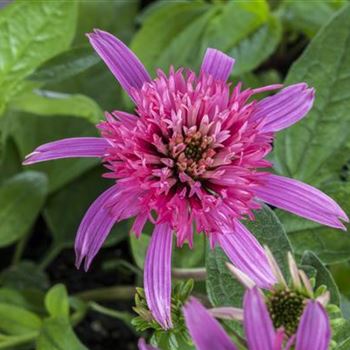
(31, 299)
(114, 16)
(10, 164)
(307, 147)
(323, 276)
(331, 245)
(21, 199)
(345, 307)
(49, 103)
(66, 65)
(257, 47)
(307, 16)
(163, 32)
(24, 276)
(222, 287)
(72, 202)
(57, 334)
(56, 301)
(30, 131)
(30, 33)
(16, 320)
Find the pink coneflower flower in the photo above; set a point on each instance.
(189, 156)
(314, 331)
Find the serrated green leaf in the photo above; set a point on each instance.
(323, 276)
(56, 301)
(21, 199)
(50, 103)
(57, 334)
(222, 287)
(16, 320)
(305, 148)
(331, 245)
(30, 33)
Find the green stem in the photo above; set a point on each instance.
(19, 249)
(123, 316)
(50, 256)
(17, 340)
(107, 294)
(198, 274)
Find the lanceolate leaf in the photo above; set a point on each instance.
(30, 33)
(307, 147)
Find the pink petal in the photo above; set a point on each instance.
(301, 199)
(217, 64)
(94, 228)
(314, 331)
(285, 108)
(157, 274)
(144, 346)
(68, 148)
(246, 253)
(205, 330)
(258, 326)
(122, 62)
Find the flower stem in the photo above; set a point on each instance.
(50, 256)
(198, 274)
(108, 293)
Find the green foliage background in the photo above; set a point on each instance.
(53, 86)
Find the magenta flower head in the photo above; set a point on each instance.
(314, 331)
(190, 155)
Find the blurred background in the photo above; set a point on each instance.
(53, 86)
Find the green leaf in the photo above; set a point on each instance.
(16, 320)
(250, 52)
(307, 16)
(331, 245)
(345, 345)
(57, 334)
(30, 131)
(139, 248)
(114, 16)
(49, 103)
(183, 257)
(222, 287)
(308, 146)
(56, 301)
(169, 31)
(31, 299)
(23, 276)
(323, 276)
(72, 202)
(66, 65)
(21, 199)
(30, 33)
